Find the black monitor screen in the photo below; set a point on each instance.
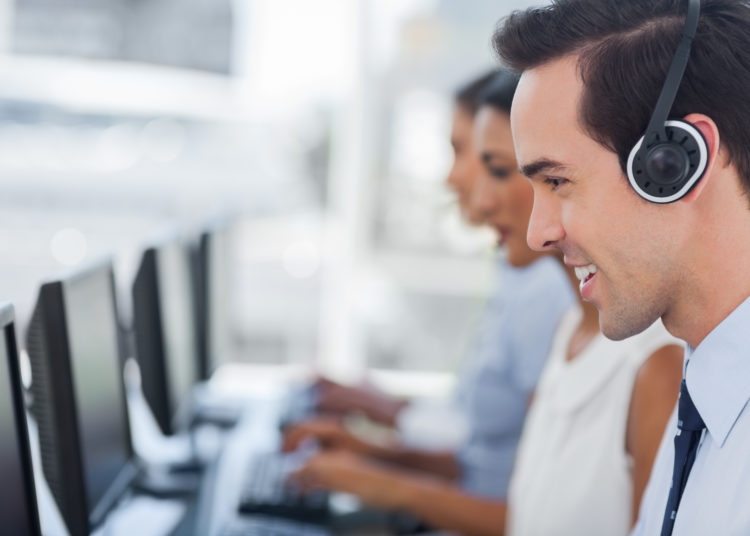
(17, 513)
(93, 339)
(176, 304)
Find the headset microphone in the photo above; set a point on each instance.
(671, 157)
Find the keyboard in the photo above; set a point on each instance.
(266, 491)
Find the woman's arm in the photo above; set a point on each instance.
(652, 402)
(339, 399)
(442, 463)
(332, 434)
(436, 502)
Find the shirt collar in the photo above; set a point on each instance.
(717, 373)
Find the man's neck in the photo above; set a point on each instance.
(717, 279)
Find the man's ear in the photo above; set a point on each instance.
(710, 132)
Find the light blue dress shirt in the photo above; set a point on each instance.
(716, 499)
(494, 390)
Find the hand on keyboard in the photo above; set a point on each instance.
(374, 484)
(327, 433)
(339, 399)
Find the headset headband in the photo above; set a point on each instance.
(674, 75)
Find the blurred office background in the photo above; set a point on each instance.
(322, 125)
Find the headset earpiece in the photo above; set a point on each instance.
(672, 156)
(664, 171)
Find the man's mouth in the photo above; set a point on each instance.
(584, 273)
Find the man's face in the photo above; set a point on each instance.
(621, 245)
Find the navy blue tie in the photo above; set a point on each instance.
(690, 428)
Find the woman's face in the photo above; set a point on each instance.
(501, 197)
(466, 163)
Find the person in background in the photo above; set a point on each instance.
(593, 72)
(513, 342)
(336, 399)
(465, 490)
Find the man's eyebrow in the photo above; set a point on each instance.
(536, 167)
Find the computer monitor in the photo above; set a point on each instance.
(165, 335)
(213, 286)
(19, 514)
(199, 285)
(78, 396)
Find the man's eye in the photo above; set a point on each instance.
(555, 182)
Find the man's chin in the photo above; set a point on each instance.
(619, 328)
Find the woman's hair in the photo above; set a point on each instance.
(467, 96)
(498, 93)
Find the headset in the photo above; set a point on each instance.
(672, 156)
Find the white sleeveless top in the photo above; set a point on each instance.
(572, 474)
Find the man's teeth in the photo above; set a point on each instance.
(582, 272)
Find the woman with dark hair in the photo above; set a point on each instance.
(335, 398)
(466, 164)
(599, 407)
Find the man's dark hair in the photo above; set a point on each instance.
(624, 50)
(467, 96)
(499, 92)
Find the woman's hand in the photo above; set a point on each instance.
(328, 433)
(374, 484)
(341, 399)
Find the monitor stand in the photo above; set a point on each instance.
(194, 463)
(163, 482)
(225, 415)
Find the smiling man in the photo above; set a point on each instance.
(655, 229)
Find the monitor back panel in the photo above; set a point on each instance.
(177, 307)
(79, 400)
(149, 341)
(214, 298)
(165, 332)
(53, 408)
